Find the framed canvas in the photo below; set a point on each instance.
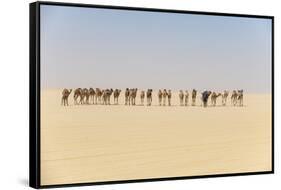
(126, 94)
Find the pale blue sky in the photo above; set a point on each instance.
(89, 47)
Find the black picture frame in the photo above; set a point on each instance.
(34, 93)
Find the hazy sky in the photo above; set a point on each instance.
(87, 47)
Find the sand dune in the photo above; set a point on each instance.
(92, 143)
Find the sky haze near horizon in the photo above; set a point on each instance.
(89, 47)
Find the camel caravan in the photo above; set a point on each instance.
(99, 96)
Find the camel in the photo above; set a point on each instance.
(92, 95)
(149, 97)
(142, 94)
(109, 93)
(205, 96)
(106, 96)
(65, 95)
(234, 97)
(127, 94)
(160, 97)
(116, 94)
(181, 96)
(85, 96)
(77, 94)
(240, 97)
(193, 96)
(186, 98)
(214, 97)
(103, 96)
(132, 96)
(169, 97)
(224, 97)
(98, 96)
(164, 95)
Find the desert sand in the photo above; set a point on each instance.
(93, 143)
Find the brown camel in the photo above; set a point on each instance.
(164, 95)
(106, 96)
(142, 94)
(65, 95)
(98, 97)
(160, 94)
(92, 95)
(77, 94)
(127, 95)
(109, 93)
(132, 96)
(149, 97)
(214, 97)
(234, 97)
(116, 94)
(186, 98)
(169, 97)
(193, 96)
(85, 96)
(240, 97)
(181, 96)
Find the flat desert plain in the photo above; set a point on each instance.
(93, 143)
